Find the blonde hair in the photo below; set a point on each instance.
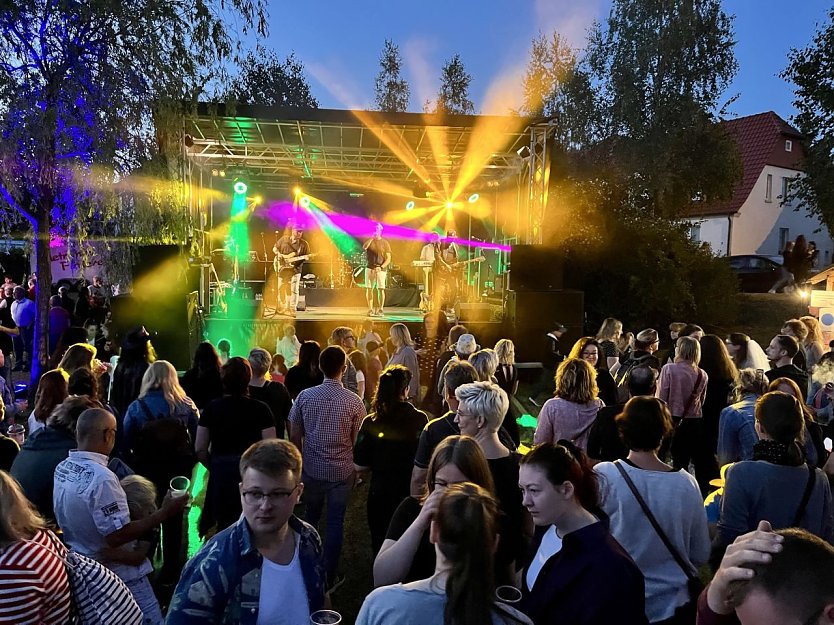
(162, 375)
(485, 399)
(688, 350)
(609, 329)
(400, 335)
(140, 494)
(78, 356)
(485, 362)
(814, 331)
(20, 520)
(752, 381)
(505, 350)
(576, 381)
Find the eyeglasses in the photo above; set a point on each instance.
(257, 498)
(466, 415)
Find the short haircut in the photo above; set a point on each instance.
(642, 380)
(459, 372)
(90, 423)
(676, 326)
(688, 349)
(485, 362)
(223, 345)
(55, 301)
(487, 400)
(752, 381)
(799, 329)
(332, 360)
(780, 415)
(259, 360)
(644, 423)
(576, 381)
(339, 334)
(788, 343)
(646, 338)
(400, 335)
(273, 457)
(236, 375)
(689, 328)
(797, 578)
(141, 496)
(455, 332)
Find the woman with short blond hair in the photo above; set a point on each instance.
(405, 355)
(571, 413)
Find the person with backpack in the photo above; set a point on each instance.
(646, 344)
(160, 430)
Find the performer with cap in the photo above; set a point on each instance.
(290, 253)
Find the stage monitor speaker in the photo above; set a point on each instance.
(536, 268)
(301, 305)
(533, 314)
(475, 312)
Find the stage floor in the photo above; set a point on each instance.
(351, 314)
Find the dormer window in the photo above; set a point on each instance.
(788, 145)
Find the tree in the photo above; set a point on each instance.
(390, 88)
(88, 92)
(809, 69)
(265, 79)
(662, 68)
(453, 97)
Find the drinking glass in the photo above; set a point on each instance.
(508, 594)
(325, 617)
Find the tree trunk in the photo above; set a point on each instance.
(43, 268)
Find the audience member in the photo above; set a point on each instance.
(52, 390)
(278, 369)
(272, 393)
(288, 345)
(324, 422)
(344, 337)
(202, 381)
(746, 353)
(812, 437)
(609, 333)
(588, 349)
(59, 320)
(405, 355)
(23, 314)
(507, 377)
(737, 422)
(813, 344)
(306, 373)
(136, 355)
(799, 331)
(373, 370)
(357, 358)
(463, 349)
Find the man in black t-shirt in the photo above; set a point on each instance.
(378, 253)
(290, 253)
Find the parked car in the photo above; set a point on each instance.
(756, 274)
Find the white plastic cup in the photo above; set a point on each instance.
(325, 617)
(17, 432)
(179, 485)
(508, 594)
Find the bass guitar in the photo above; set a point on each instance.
(462, 263)
(287, 261)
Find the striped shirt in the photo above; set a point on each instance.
(33, 582)
(328, 417)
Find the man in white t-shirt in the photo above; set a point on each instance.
(267, 567)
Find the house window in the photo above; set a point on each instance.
(786, 188)
(788, 145)
(695, 233)
(769, 188)
(784, 237)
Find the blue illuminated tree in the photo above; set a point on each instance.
(89, 92)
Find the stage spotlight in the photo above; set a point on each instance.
(297, 190)
(409, 206)
(241, 187)
(257, 199)
(450, 204)
(473, 198)
(222, 173)
(305, 201)
(523, 152)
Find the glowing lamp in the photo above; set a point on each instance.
(409, 206)
(305, 201)
(450, 204)
(473, 198)
(240, 187)
(297, 190)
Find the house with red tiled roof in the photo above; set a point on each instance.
(757, 219)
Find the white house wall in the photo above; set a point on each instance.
(713, 231)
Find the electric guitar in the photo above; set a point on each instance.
(462, 263)
(287, 261)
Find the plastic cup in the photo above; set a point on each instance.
(325, 617)
(17, 432)
(508, 594)
(179, 485)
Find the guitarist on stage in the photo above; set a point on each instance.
(286, 250)
(449, 273)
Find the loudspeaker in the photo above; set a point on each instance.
(475, 312)
(302, 303)
(532, 314)
(536, 268)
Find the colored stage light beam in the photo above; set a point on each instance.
(238, 223)
(345, 243)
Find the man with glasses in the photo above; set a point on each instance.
(346, 339)
(772, 578)
(324, 422)
(91, 508)
(267, 567)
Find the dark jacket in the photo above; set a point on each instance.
(35, 465)
(791, 372)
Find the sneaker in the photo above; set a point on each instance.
(334, 584)
(372, 313)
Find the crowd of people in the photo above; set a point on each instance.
(649, 471)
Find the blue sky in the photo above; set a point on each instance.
(339, 42)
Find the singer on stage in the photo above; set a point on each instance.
(378, 253)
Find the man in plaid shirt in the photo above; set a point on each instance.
(324, 422)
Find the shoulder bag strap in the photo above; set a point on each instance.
(806, 496)
(681, 562)
(147, 410)
(695, 392)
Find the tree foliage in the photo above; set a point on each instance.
(453, 96)
(810, 69)
(265, 79)
(391, 91)
(90, 91)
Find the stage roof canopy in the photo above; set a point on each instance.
(344, 150)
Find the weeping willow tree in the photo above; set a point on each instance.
(91, 92)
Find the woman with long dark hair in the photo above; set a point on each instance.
(202, 381)
(721, 392)
(746, 353)
(306, 373)
(52, 390)
(462, 589)
(385, 447)
(588, 348)
(579, 574)
(135, 356)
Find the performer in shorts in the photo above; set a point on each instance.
(286, 249)
(378, 252)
